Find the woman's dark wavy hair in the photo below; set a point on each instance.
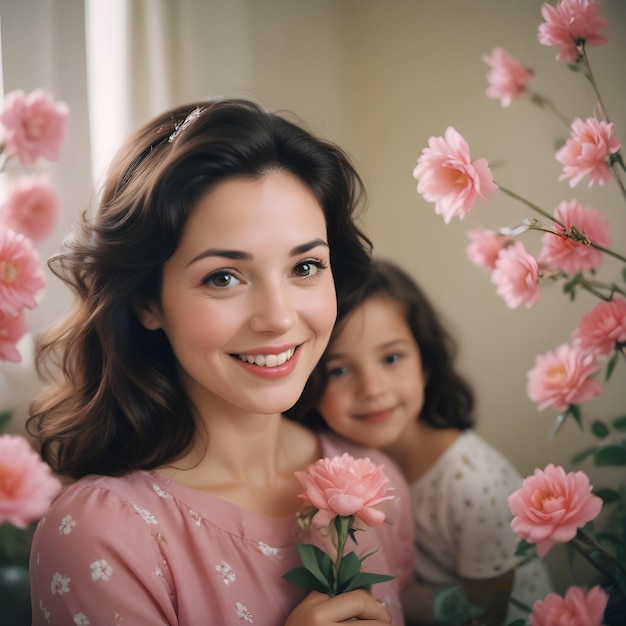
(448, 398)
(115, 404)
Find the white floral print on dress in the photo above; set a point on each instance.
(67, 525)
(160, 492)
(60, 584)
(80, 619)
(243, 613)
(101, 570)
(266, 550)
(44, 610)
(195, 517)
(147, 517)
(227, 572)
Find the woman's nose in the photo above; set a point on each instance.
(274, 308)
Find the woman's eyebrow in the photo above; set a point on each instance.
(238, 255)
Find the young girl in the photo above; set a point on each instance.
(207, 283)
(390, 383)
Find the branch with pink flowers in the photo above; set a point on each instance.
(555, 507)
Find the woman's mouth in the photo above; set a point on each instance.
(267, 360)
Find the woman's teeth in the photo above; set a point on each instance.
(268, 360)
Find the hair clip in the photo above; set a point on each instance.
(190, 119)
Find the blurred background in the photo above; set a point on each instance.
(378, 78)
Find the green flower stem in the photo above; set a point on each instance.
(590, 77)
(600, 558)
(342, 524)
(529, 204)
(545, 103)
(575, 235)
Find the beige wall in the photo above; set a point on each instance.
(380, 77)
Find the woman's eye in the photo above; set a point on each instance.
(308, 268)
(221, 280)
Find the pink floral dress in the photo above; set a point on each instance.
(142, 549)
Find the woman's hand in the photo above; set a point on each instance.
(318, 609)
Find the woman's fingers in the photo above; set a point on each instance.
(318, 609)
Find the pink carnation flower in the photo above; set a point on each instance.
(551, 506)
(571, 256)
(577, 608)
(562, 377)
(347, 487)
(32, 126)
(587, 152)
(31, 207)
(27, 485)
(508, 78)
(21, 276)
(569, 23)
(603, 327)
(447, 176)
(486, 246)
(516, 276)
(12, 328)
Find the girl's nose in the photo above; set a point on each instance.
(371, 382)
(274, 309)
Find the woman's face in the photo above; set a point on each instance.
(375, 387)
(248, 299)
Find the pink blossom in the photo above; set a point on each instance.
(485, 247)
(345, 486)
(31, 207)
(516, 276)
(602, 327)
(32, 126)
(12, 327)
(562, 377)
(27, 485)
(577, 608)
(573, 256)
(551, 505)
(508, 78)
(447, 176)
(572, 22)
(587, 151)
(21, 276)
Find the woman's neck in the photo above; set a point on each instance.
(249, 460)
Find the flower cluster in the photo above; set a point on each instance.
(553, 506)
(32, 127)
(341, 494)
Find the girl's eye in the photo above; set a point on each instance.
(308, 268)
(221, 280)
(392, 358)
(336, 372)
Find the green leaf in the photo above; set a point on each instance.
(523, 547)
(303, 577)
(600, 429)
(579, 457)
(517, 622)
(611, 365)
(349, 568)
(5, 417)
(364, 580)
(610, 455)
(619, 423)
(317, 562)
(607, 495)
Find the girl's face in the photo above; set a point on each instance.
(375, 390)
(248, 299)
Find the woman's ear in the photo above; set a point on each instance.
(148, 314)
